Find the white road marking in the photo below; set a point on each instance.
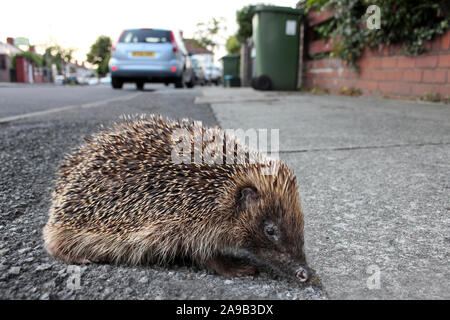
(65, 108)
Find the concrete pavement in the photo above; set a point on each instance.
(374, 178)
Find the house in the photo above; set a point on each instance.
(204, 55)
(204, 58)
(26, 71)
(7, 50)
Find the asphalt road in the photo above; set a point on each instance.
(38, 125)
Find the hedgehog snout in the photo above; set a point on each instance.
(302, 274)
(299, 268)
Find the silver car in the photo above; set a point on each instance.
(213, 74)
(150, 55)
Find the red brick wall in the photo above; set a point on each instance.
(386, 71)
(22, 69)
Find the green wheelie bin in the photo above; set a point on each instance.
(230, 70)
(276, 43)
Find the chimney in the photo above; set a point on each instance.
(32, 49)
(10, 40)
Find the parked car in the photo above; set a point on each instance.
(213, 74)
(71, 79)
(150, 55)
(85, 81)
(199, 72)
(106, 80)
(59, 80)
(92, 81)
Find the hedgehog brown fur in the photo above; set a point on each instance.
(120, 198)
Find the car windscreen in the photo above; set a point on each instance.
(145, 36)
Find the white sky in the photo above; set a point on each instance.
(77, 24)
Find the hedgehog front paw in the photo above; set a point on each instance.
(242, 271)
(226, 267)
(82, 261)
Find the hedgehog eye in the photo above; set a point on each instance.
(270, 231)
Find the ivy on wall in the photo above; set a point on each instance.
(406, 22)
(38, 61)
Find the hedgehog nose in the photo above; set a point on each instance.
(302, 274)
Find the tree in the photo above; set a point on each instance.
(57, 55)
(233, 45)
(208, 34)
(244, 20)
(100, 53)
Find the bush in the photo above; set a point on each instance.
(38, 60)
(407, 22)
(233, 45)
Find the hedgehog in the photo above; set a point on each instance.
(121, 198)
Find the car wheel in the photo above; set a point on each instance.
(116, 83)
(179, 83)
(140, 85)
(191, 83)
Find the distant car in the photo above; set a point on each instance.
(213, 74)
(71, 80)
(83, 80)
(59, 80)
(105, 80)
(93, 81)
(150, 55)
(199, 73)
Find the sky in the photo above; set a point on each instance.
(77, 24)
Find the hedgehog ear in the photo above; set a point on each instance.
(247, 197)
